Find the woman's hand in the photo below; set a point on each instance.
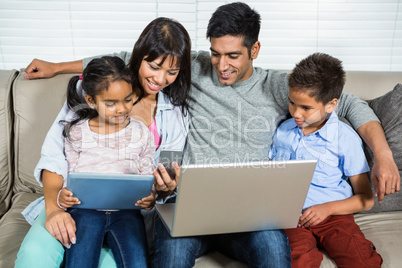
(66, 199)
(147, 202)
(61, 226)
(164, 184)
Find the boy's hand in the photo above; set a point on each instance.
(147, 202)
(66, 199)
(314, 215)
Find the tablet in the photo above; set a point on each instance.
(109, 191)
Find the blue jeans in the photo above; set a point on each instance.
(123, 230)
(256, 249)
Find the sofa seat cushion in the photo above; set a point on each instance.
(13, 228)
(385, 231)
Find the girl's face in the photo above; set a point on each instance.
(155, 76)
(114, 104)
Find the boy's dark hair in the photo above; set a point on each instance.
(165, 37)
(235, 19)
(320, 75)
(97, 76)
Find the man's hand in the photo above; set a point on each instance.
(40, 69)
(385, 176)
(61, 226)
(66, 199)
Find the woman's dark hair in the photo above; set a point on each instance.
(235, 19)
(320, 75)
(165, 37)
(97, 76)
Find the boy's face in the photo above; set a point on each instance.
(308, 114)
(231, 60)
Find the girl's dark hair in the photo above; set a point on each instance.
(165, 37)
(97, 76)
(235, 19)
(320, 75)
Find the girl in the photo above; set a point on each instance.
(104, 139)
(160, 66)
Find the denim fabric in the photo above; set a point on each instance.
(123, 230)
(256, 249)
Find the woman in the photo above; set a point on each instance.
(160, 60)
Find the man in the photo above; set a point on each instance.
(235, 109)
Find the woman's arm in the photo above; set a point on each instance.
(58, 222)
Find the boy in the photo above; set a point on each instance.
(340, 186)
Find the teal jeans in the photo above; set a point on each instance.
(40, 249)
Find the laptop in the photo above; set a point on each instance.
(238, 197)
(109, 191)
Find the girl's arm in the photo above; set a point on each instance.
(361, 200)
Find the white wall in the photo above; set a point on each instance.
(365, 35)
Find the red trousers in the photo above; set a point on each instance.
(340, 237)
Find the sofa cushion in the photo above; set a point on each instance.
(36, 105)
(13, 228)
(6, 79)
(388, 108)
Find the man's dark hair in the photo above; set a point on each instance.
(235, 19)
(320, 75)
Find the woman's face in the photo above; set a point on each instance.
(155, 76)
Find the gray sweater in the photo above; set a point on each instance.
(232, 124)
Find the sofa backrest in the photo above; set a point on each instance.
(36, 105)
(6, 79)
(370, 85)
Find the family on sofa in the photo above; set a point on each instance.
(184, 110)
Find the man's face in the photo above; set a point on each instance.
(231, 60)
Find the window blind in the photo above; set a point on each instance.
(365, 35)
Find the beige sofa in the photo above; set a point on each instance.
(27, 109)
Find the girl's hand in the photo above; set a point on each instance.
(66, 199)
(314, 215)
(61, 226)
(147, 202)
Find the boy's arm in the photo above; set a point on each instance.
(385, 174)
(361, 200)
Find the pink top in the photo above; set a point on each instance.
(130, 150)
(154, 131)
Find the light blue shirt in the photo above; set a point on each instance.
(172, 128)
(339, 152)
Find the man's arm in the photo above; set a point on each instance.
(384, 175)
(44, 69)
